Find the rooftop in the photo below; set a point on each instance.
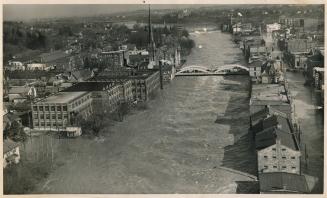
(269, 93)
(274, 128)
(90, 86)
(63, 97)
(281, 182)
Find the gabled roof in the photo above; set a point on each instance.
(275, 128)
(19, 90)
(283, 182)
(264, 113)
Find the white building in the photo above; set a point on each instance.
(37, 66)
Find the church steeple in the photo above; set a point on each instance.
(152, 45)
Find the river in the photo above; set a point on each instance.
(192, 138)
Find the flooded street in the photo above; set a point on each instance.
(191, 139)
(312, 125)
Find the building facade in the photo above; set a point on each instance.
(60, 110)
(114, 59)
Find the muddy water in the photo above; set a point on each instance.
(191, 138)
(312, 126)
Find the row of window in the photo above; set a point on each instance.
(274, 157)
(274, 149)
(283, 167)
(53, 116)
(47, 108)
(80, 101)
(48, 124)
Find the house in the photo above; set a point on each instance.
(255, 70)
(15, 65)
(277, 145)
(314, 60)
(11, 153)
(17, 93)
(37, 66)
(319, 77)
(272, 71)
(283, 183)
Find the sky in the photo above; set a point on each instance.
(34, 11)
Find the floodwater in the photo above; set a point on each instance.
(192, 138)
(311, 120)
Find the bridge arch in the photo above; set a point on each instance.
(194, 69)
(230, 67)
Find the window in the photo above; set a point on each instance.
(274, 157)
(48, 124)
(284, 157)
(41, 108)
(65, 108)
(65, 116)
(293, 167)
(265, 167)
(41, 116)
(48, 116)
(298, 63)
(274, 149)
(283, 167)
(46, 108)
(53, 116)
(58, 108)
(283, 149)
(292, 157)
(42, 124)
(52, 108)
(274, 166)
(255, 68)
(36, 124)
(265, 156)
(59, 116)
(34, 108)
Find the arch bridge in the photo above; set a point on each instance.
(199, 70)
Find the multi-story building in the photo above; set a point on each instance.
(255, 70)
(277, 145)
(114, 59)
(144, 82)
(60, 110)
(106, 96)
